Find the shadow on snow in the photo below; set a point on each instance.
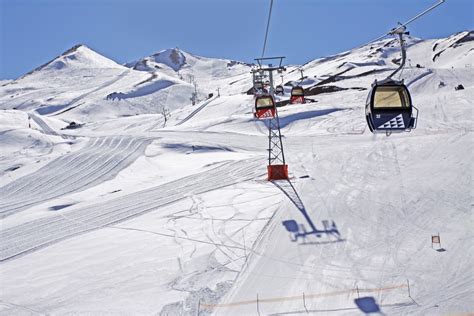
(288, 119)
(298, 230)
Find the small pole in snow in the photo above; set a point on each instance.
(199, 307)
(304, 303)
(218, 93)
(245, 248)
(408, 285)
(357, 289)
(435, 239)
(179, 264)
(258, 309)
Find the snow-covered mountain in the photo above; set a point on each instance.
(168, 58)
(77, 57)
(83, 85)
(137, 210)
(185, 64)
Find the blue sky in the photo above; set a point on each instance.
(35, 31)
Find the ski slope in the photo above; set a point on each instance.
(100, 159)
(36, 234)
(129, 215)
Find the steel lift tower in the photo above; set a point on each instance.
(277, 168)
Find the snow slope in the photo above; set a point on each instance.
(82, 85)
(132, 214)
(208, 73)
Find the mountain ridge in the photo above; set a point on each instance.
(80, 81)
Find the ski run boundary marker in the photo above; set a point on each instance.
(300, 297)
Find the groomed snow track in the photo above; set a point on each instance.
(46, 129)
(193, 113)
(36, 234)
(100, 160)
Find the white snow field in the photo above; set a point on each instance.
(149, 205)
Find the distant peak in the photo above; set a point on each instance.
(77, 56)
(171, 57)
(175, 50)
(174, 53)
(74, 49)
(79, 48)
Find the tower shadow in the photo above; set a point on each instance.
(299, 230)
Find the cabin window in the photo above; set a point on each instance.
(391, 97)
(264, 102)
(297, 92)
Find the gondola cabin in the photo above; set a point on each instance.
(297, 95)
(279, 90)
(258, 85)
(264, 107)
(389, 108)
(259, 88)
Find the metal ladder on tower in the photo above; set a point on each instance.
(277, 168)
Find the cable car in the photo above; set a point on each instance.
(279, 90)
(297, 95)
(389, 107)
(259, 88)
(264, 106)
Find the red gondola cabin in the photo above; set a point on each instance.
(279, 90)
(297, 95)
(264, 107)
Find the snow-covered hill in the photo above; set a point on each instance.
(190, 67)
(82, 85)
(140, 211)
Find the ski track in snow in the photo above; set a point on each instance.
(73, 102)
(100, 160)
(202, 106)
(39, 233)
(46, 128)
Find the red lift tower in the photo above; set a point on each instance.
(277, 168)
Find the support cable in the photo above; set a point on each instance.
(268, 27)
(403, 25)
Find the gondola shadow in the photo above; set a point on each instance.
(337, 311)
(368, 305)
(298, 230)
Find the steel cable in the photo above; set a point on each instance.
(268, 27)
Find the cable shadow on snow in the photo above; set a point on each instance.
(299, 230)
(288, 119)
(186, 148)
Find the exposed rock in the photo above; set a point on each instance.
(327, 89)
